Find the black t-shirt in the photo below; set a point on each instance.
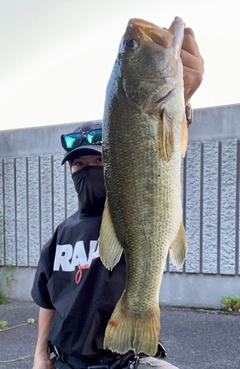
(71, 279)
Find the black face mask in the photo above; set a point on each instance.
(89, 185)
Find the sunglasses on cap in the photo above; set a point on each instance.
(73, 140)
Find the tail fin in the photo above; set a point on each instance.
(126, 332)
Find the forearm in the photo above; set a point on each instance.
(44, 324)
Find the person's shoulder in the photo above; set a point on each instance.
(71, 218)
(77, 218)
(65, 223)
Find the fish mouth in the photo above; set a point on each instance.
(151, 31)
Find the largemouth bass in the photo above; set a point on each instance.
(144, 137)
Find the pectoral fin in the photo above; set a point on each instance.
(178, 249)
(184, 140)
(166, 137)
(110, 248)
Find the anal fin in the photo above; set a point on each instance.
(178, 249)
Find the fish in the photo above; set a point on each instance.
(144, 138)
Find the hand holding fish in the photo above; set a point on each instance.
(193, 64)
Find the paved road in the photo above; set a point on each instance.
(194, 339)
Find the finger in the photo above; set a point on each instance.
(192, 61)
(192, 77)
(189, 31)
(189, 43)
(192, 81)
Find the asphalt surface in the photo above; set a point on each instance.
(193, 339)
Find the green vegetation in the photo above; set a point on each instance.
(4, 327)
(3, 324)
(3, 298)
(31, 321)
(9, 278)
(231, 303)
(9, 275)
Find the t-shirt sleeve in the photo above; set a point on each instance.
(43, 273)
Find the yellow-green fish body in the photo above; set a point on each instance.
(144, 135)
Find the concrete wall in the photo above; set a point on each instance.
(36, 193)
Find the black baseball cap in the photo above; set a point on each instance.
(85, 140)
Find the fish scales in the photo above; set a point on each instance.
(142, 162)
(124, 186)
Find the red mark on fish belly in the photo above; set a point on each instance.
(164, 97)
(112, 324)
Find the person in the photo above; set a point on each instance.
(75, 292)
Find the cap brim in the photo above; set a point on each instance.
(83, 150)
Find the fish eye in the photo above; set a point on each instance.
(131, 43)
